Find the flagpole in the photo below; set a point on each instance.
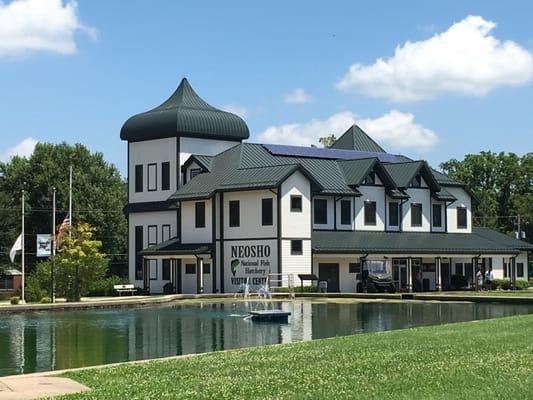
(53, 294)
(22, 245)
(70, 203)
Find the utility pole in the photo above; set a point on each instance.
(23, 298)
(53, 289)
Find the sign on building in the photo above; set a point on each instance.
(44, 245)
(249, 260)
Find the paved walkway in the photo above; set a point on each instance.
(36, 386)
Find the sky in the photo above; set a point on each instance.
(432, 81)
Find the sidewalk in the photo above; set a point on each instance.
(36, 386)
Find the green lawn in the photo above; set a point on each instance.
(487, 360)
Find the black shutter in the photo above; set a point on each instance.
(138, 247)
(199, 214)
(234, 213)
(267, 212)
(138, 178)
(346, 214)
(165, 176)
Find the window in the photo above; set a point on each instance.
(190, 269)
(458, 268)
(416, 182)
(199, 214)
(165, 175)
(195, 171)
(370, 179)
(152, 235)
(207, 268)
(320, 211)
(138, 178)
(394, 214)
(138, 247)
(354, 268)
(267, 212)
(152, 177)
(234, 213)
(437, 215)
(6, 282)
(461, 217)
(166, 270)
(296, 247)
(346, 212)
(296, 203)
(520, 270)
(416, 214)
(370, 213)
(166, 232)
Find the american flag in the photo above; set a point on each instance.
(62, 229)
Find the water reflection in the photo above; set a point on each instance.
(57, 340)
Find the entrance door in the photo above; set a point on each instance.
(399, 274)
(330, 274)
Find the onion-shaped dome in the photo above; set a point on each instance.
(184, 114)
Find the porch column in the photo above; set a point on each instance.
(409, 276)
(199, 275)
(438, 282)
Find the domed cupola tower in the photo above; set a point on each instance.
(159, 142)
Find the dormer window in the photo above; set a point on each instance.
(370, 179)
(416, 182)
(195, 171)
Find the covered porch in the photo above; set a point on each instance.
(185, 268)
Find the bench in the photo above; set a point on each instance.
(129, 288)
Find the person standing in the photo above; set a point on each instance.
(489, 278)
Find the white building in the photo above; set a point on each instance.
(208, 213)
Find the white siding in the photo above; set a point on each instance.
(205, 147)
(189, 232)
(145, 219)
(296, 224)
(149, 152)
(347, 281)
(463, 200)
(370, 193)
(250, 215)
(295, 264)
(421, 196)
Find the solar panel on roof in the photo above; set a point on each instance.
(334, 154)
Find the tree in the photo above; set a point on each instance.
(77, 264)
(99, 195)
(327, 141)
(503, 183)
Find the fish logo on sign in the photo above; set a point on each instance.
(234, 265)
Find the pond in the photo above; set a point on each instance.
(44, 341)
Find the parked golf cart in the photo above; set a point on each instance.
(376, 277)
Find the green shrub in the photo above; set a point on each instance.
(15, 300)
(522, 284)
(459, 281)
(34, 288)
(46, 300)
(503, 284)
(104, 287)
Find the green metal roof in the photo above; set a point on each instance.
(175, 247)
(357, 139)
(252, 166)
(480, 241)
(184, 114)
(443, 195)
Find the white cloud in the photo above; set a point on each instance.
(400, 131)
(23, 149)
(465, 59)
(298, 96)
(28, 26)
(395, 128)
(235, 109)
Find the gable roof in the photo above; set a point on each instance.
(403, 174)
(184, 113)
(357, 139)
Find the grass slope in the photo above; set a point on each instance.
(488, 360)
